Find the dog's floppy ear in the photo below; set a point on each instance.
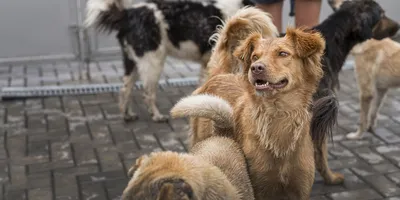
(175, 190)
(245, 49)
(138, 163)
(306, 42)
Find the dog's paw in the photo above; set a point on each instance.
(354, 135)
(128, 117)
(335, 179)
(371, 130)
(160, 118)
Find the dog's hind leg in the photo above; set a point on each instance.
(321, 161)
(378, 97)
(150, 67)
(364, 81)
(365, 101)
(125, 95)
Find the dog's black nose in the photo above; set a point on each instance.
(257, 68)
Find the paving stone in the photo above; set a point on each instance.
(40, 194)
(39, 180)
(319, 198)
(393, 198)
(109, 160)
(101, 176)
(395, 177)
(363, 170)
(387, 135)
(114, 188)
(352, 182)
(386, 168)
(345, 163)
(365, 194)
(339, 151)
(388, 148)
(69, 192)
(61, 151)
(16, 195)
(383, 185)
(369, 156)
(93, 191)
(84, 155)
(41, 167)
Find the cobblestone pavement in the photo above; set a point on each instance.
(78, 147)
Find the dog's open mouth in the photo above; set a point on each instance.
(266, 85)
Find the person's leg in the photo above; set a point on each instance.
(307, 12)
(273, 7)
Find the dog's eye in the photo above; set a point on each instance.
(283, 54)
(254, 58)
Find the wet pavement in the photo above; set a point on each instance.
(78, 147)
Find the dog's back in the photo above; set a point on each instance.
(214, 170)
(227, 155)
(378, 62)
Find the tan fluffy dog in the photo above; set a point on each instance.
(215, 170)
(236, 29)
(267, 113)
(377, 67)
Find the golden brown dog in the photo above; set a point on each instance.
(222, 61)
(267, 113)
(377, 67)
(215, 170)
(236, 29)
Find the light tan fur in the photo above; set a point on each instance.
(215, 169)
(272, 126)
(237, 28)
(377, 68)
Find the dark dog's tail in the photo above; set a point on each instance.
(325, 111)
(106, 15)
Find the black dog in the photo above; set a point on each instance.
(353, 22)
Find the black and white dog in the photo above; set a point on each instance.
(147, 32)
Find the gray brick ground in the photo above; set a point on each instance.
(78, 147)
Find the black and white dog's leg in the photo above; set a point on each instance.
(125, 95)
(150, 67)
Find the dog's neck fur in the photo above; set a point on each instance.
(281, 121)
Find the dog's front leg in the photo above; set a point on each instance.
(125, 94)
(125, 98)
(378, 97)
(321, 161)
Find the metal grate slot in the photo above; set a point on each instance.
(8, 93)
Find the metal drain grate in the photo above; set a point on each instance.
(44, 91)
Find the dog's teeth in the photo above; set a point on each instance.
(267, 83)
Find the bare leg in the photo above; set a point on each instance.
(275, 9)
(321, 162)
(307, 12)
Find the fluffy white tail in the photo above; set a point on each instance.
(206, 106)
